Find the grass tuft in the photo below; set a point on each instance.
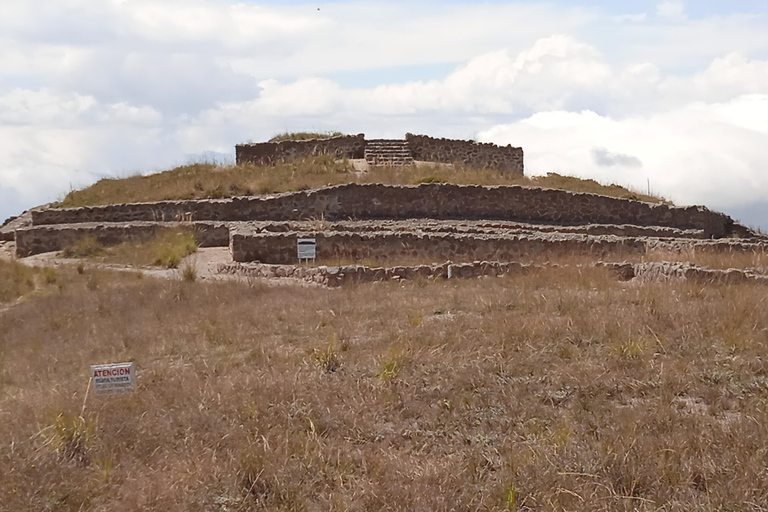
(189, 273)
(71, 437)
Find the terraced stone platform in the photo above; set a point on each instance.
(389, 224)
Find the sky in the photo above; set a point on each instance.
(669, 96)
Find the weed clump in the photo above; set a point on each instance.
(189, 273)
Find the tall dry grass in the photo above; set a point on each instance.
(211, 181)
(556, 390)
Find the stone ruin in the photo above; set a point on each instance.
(387, 151)
(365, 231)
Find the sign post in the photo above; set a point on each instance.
(113, 379)
(306, 249)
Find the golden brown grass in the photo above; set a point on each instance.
(168, 247)
(210, 181)
(556, 390)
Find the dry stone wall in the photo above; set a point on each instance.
(671, 271)
(350, 274)
(335, 276)
(421, 147)
(54, 237)
(473, 226)
(280, 248)
(429, 149)
(268, 153)
(247, 244)
(431, 201)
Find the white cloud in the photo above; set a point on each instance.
(671, 9)
(41, 108)
(697, 153)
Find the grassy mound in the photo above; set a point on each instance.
(201, 181)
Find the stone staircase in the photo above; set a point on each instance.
(388, 152)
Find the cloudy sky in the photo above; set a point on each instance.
(669, 94)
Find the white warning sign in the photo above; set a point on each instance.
(113, 379)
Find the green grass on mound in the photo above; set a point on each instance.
(200, 181)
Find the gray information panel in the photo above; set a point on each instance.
(306, 248)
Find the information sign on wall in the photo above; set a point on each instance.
(306, 248)
(113, 379)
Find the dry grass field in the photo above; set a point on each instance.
(199, 181)
(555, 390)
